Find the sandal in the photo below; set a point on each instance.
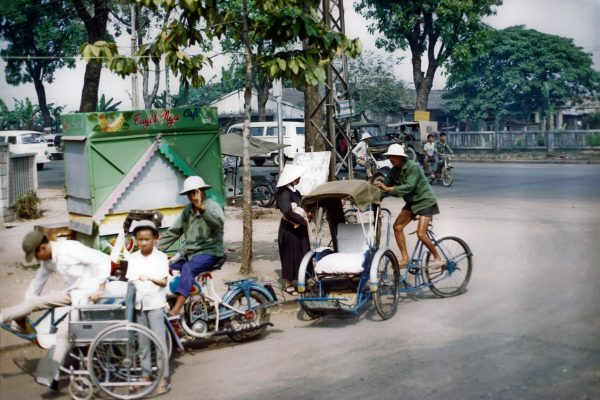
(291, 291)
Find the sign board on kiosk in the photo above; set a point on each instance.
(316, 169)
(421, 115)
(135, 160)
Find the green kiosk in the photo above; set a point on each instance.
(116, 162)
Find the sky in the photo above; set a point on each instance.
(576, 19)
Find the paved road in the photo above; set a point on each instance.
(527, 328)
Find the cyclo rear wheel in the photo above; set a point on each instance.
(453, 278)
(388, 280)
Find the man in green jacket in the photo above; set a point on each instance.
(406, 179)
(201, 224)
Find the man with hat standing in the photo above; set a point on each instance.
(293, 231)
(406, 179)
(84, 271)
(361, 149)
(201, 224)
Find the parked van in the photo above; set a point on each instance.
(22, 142)
(293, 136)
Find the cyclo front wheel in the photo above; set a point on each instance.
(453, 278)
(388, 280)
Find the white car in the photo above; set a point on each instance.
(23, 142)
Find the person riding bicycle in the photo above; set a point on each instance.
(428, 151)
(441, 151)
(361, 150)
(85, 272)
(406, 179)
(201, 224)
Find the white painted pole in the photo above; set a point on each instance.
(277, 92)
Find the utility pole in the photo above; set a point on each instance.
(278, 92)
(336, 91)
(134, 77)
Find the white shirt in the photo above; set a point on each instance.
(360, 150)
(82, 268)
(148, 295)
(428, 147)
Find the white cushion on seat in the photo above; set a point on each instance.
(340, 263)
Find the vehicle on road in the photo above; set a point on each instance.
(55, 145)
(412, 135)
(293, 135)
(344, 278)
(444, 173)
(24, 142)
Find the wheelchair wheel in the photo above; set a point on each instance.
(453, 277)
(388, 274)
(256, 312)
(116, 358)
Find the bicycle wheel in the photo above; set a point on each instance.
(447, 176)
(255, 313)
(453, 277)
(263, 195)
(386, 296)
(127, 361)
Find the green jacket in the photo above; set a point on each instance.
(411, 184)
(202, 232)
(442, 148)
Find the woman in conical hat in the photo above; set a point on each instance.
(293, 232)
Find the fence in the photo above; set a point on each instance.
(18, 174)
(525, 140)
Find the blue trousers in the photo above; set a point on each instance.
(190, 269)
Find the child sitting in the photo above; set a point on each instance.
(148, 269)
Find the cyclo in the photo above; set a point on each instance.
(354, 268)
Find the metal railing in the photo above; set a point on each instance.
(525, 140)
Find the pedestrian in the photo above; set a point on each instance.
(428, 150)
(361, 148)
(201, 223)
(148, 269)
(293, 228)
(85, 272)
(406, 179)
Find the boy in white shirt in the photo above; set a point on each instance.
(428, 150)
(148, 269)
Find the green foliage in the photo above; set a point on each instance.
(27, 206)
(592, 139)
(591, 121)
(27, 116)
(441, 29)
(376, 91)
(520, 70)
(107, 105)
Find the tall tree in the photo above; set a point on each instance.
(439, 29)
(42, 37)
(520, 70)
(378, 94)
(95, 20)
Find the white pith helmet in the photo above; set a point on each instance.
(193, 183)
(395, 150)
(365, 135)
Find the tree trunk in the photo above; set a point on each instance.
(313, 120)
(149, 97)
(246, 267)
(41, 95)
(263, 98)
(96, 30)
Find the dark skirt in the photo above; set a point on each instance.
(293, 245)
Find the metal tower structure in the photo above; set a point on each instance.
(334, 99)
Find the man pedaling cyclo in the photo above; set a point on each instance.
(201, 224)
(406, 179)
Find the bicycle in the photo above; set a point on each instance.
(263, 190)
(453, 277)
(444, 173)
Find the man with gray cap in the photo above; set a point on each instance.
(84, 271)
(201, 224)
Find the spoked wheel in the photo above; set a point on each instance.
(447, 176)
(388, 275)
(80, 388)
(453, 277)
(254, 306)
(127, 361)
(263, 195)
(311, 290)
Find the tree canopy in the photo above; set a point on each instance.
(41, 38)
(376, 91)
(519, 70)
(441, 29)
